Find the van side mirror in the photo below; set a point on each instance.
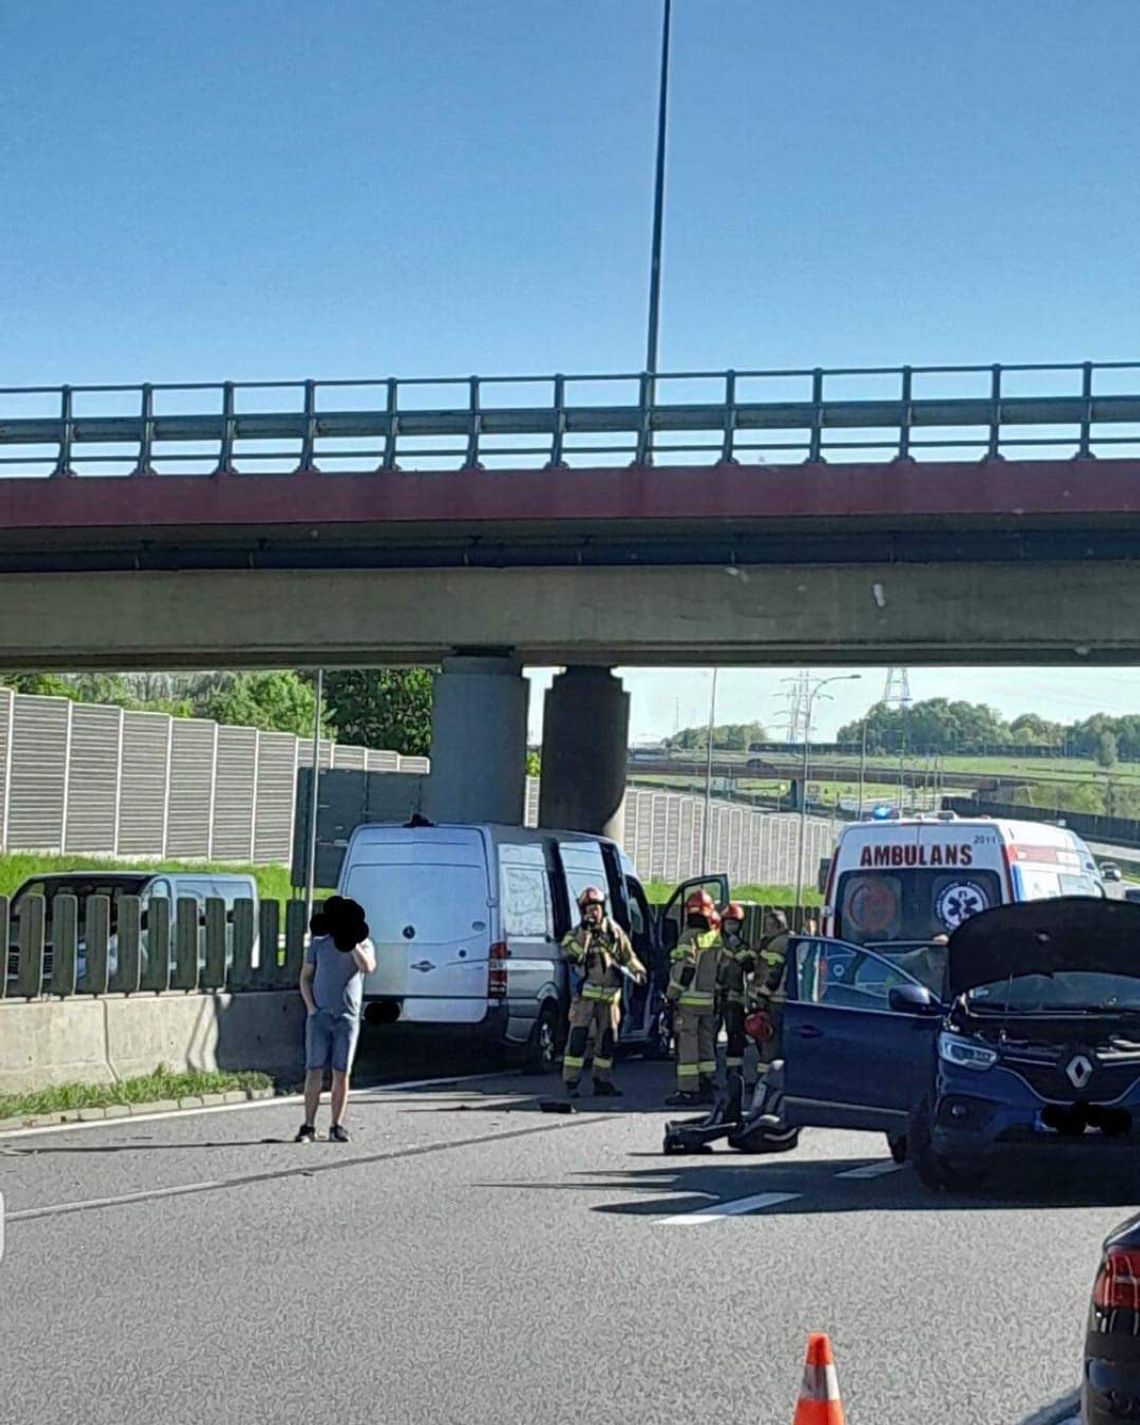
(913, 999)
(824, 872)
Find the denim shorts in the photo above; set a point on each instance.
(330, 1041)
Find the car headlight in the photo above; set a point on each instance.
(965, 1053)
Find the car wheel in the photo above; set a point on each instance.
(934, 1170)
(542, 1047)
(897, 1144)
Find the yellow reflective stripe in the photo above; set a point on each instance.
(603, 1063)
(696, 999)
(733, 1063)
(570, 1062)
(599, 992)
(687, 1071)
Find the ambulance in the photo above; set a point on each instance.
(918, 878)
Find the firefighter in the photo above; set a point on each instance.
(692, 992)
(598, 950)
(738, 960)
(767, 989)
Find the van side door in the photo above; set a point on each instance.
(671, 916)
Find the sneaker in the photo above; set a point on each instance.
(338, 1133)
(306, 1134)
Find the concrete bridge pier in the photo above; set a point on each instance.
(478, 740)
(585, 737)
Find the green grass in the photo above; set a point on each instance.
(150, 1088)
(658, 892)
(272, 881)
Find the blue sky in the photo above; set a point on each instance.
(260, 190)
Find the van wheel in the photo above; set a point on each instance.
(660, 1043)
(542, 1047)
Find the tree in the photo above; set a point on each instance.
(383, 708)
(273, 702)
(1106, 753)
(534, 764)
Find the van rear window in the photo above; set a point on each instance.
(875, 907)
(438, 903)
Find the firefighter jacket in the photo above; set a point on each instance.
(693, 970)
(771, 964)
(738, 960)
(600, 952)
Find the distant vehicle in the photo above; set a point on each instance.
(468, 921)
(148, 885)
(1110, 871)
(1024, 1030)
(913, 878)
(1111, 1379)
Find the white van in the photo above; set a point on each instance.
(916, 878)
(468, 921)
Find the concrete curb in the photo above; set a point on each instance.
(1061, 1412)
(126, 1110)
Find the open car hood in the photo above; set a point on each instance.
(1045, 937)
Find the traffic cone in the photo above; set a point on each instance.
(819, 1402)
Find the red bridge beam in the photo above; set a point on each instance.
(998, 493)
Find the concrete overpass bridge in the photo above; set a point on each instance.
(918, 514)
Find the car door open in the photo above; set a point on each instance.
(858, 1037)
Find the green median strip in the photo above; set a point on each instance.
(163, 1086)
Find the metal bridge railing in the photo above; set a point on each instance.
(891, 413)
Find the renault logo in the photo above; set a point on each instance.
(1079, 1071)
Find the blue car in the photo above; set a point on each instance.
(1022, 1031)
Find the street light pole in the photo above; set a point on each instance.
(707, 838)
(813, 693)
(862, 767)
(314, 799)
(658, 200)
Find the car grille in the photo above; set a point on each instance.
(1108, 1082)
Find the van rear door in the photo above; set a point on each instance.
(426, 897)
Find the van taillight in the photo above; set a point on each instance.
(1117, 1285)
(497, 976)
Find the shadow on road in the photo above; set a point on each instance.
(818, 1186)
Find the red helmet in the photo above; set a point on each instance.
(700, 903)
(591, 896)
(732, 911)
(758, 1026)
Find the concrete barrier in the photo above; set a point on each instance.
(114, 1037)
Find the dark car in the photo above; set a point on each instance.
(1110, 1390)
(1023, 1031)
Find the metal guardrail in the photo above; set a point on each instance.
(115, 950)
(397, 423)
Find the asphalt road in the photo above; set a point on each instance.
(468, 1259)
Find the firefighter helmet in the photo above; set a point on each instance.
(700, 903)
(591, 896)
(759, 1026)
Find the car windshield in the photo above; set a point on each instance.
(1065, 991)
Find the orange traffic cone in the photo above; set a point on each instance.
(819, 1402)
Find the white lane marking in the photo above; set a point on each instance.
(871, 1170)
(735, 1207)
(283, 1101)
(82, 1204)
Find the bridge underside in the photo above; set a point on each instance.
(954, 563)
(1072, 612)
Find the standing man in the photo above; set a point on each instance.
(692, 991)
(738, 960)
(339, 956)
(598, 950)
(768, 994)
